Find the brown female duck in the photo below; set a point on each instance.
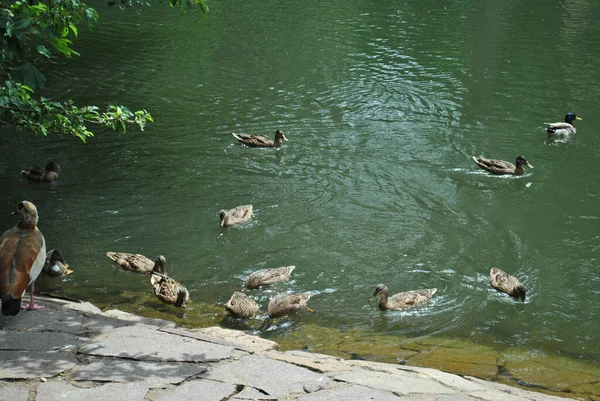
(284, 304)
(502, 167)
(507, 283)
(238, 215)
(48, 174)
(56, 265)
(241, 305)
(402, 300)
(135, 262)
(269, 276)
(168, 290)
(261, 141)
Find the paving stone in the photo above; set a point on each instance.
(352, 392)
(448, 379)
(237, 338)
(193, 390)
(249, 393)
(316, 362)
(150, 344)
(102, 324)
(273, 377)
(126, 371)
(30, 365)
(46, 319)
(38, 341)
(125, 316)
(62, 391)
(13, 392)
(498, 391)
(395, 383)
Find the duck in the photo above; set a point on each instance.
(22, 257)
(502, 167)
(268, 276)
(284, 304)
(402, 300)
(242, 306)
(48, 174)
(135, 262)
(237, 215)
(261, 141)
(504, 282)
(564, 129)
(167, 289)
(55, 265)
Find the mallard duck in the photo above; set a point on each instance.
(22, 256)
(402, 300)
(135, 262)
(501, 167)
(238, 215)
(49, 174)
(55, 265)
(563, 129)
(284, 304)
(168, 290)
(241, 305)
(504, 282)
(261, 141)
(269, 276)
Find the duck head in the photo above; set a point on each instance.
(570, 117)
(53, 166)
(222, 216)
(381, 289)
(159, 265)
(279, 136)
(28, 214)
(521, 160)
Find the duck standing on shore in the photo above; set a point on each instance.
(136, 263)
(22, 257)
(507, 283)
(261, 141)
(402, 300)
(48, 174)
(237, 215)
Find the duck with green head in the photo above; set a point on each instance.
(563, 129)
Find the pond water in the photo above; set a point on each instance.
(383, 104)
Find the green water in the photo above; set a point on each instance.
(383, 104)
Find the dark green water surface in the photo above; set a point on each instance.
(383, 103)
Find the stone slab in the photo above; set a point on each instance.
(272, 377)
(234, 338)
(252, 394)
(150, 344)
(38, 341)
(128, 371)
(193, 390)
(135, 319)
(13, 392)
(31, 365)
(62, 391)
(396, 383)
(47, 319)
(448, 379)
(352, 392)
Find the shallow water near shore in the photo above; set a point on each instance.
(383, 105)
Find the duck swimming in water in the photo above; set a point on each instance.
(135, 262)
(501, 167)
(563, 129)
(242, 306)
(269, 276)
(507, 283)
(261, 141)
(48, 174)
(238, 215)
(55, 265)
(402, 300)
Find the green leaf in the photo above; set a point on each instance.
(43, 50)
(73, 29)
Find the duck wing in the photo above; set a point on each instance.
(241, 305)
(495, 166)
(254, 140)
(269, 276)
(561, 128)
(287, 303)
(170, 291)
(411, 298)
(134, 262)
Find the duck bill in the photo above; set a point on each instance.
(529, 165)
(578, 118)
(285, 139)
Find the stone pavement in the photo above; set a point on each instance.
(74, 351)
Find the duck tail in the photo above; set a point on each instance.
(11, 306)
